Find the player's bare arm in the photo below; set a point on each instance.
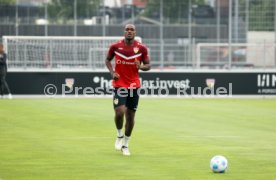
(109, 66)
(144, 66)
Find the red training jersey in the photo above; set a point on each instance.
(125, 55)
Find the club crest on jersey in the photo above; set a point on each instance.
(135, 49)
(69, 82)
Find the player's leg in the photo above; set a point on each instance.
(1, 88)
(119, 120)
(4, 84)
(8, 89)
(119, 116)
(130, 114)
(119, 109)
(132, 103)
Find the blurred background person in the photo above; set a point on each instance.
(3, 72)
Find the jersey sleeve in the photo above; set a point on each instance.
(111, 51)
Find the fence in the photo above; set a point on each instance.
(246, 15)
(53, 53)
(173, 30)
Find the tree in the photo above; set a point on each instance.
(7, 2)
(261, 15)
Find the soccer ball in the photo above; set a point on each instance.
(218, 164)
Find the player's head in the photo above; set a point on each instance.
(130, 32)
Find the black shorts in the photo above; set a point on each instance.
(127, 97)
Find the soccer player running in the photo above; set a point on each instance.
(130, 57)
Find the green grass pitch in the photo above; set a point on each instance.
(172, 139)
